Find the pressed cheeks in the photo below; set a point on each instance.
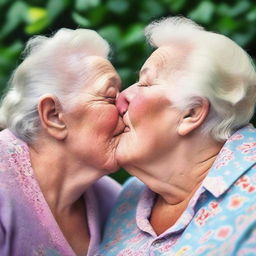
(147, 105)
(94, 124)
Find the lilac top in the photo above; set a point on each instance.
(27, 226)
(219, 220)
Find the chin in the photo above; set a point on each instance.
(113, 168)
(123, 159)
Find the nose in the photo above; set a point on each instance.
(124, 99)
(122, 103)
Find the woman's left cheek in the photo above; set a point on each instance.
(138, 107)
(147, 111)
(111, 119)
(144, 107)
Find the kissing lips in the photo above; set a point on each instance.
(126, 123)
(120, 128)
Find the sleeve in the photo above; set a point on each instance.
(4, 213)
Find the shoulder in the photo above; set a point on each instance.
(128, 197)
(12, 150)
(14, 159)
(109, 189)
(133, 181)
(130, 194)
(5, 146)
(7, 138)
(133, 185)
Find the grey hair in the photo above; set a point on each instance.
(52, 65)
(217, 69)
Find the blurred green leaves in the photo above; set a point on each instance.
(80, 20)
(121, 22)
(175, 5)
(14, 17)
(84, 5)
(37, 20)
(54, 8)
(203, 12)
(8, 60)
(34, 19)
(118, 7)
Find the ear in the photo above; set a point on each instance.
(193, 117)
(50, 112)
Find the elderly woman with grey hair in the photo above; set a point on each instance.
(188, 142)
(61, 128)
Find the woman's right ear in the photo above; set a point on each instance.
(51, 117)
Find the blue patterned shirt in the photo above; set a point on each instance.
(220, 219)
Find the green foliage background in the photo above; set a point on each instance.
(121, 22)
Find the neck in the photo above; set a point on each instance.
(176, 176)
(62, 179)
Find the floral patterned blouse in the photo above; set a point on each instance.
(27, 226)
(220, 219)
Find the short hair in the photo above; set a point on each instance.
(51, 65)
(217, 69)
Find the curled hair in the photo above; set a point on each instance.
(216, 68)
(51, 65)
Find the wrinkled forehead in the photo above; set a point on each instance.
(98, 67)
(167, 59)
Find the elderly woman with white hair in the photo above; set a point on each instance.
(189, 143)
(60, 131)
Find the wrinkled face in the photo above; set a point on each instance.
(94, 124)
(148, 113)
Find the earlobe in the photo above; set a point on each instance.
(51, 117)
(193, 118)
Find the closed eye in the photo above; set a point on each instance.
(111, 100)
(143, 85)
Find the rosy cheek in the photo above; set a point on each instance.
(110, 118)
(143, 108)
(138, 108)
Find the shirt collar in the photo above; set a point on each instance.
(236, 156)
(143, 211)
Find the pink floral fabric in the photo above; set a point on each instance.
(27, 226)
(219, 220)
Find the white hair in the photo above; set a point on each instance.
(216, 68)
(52, 65)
